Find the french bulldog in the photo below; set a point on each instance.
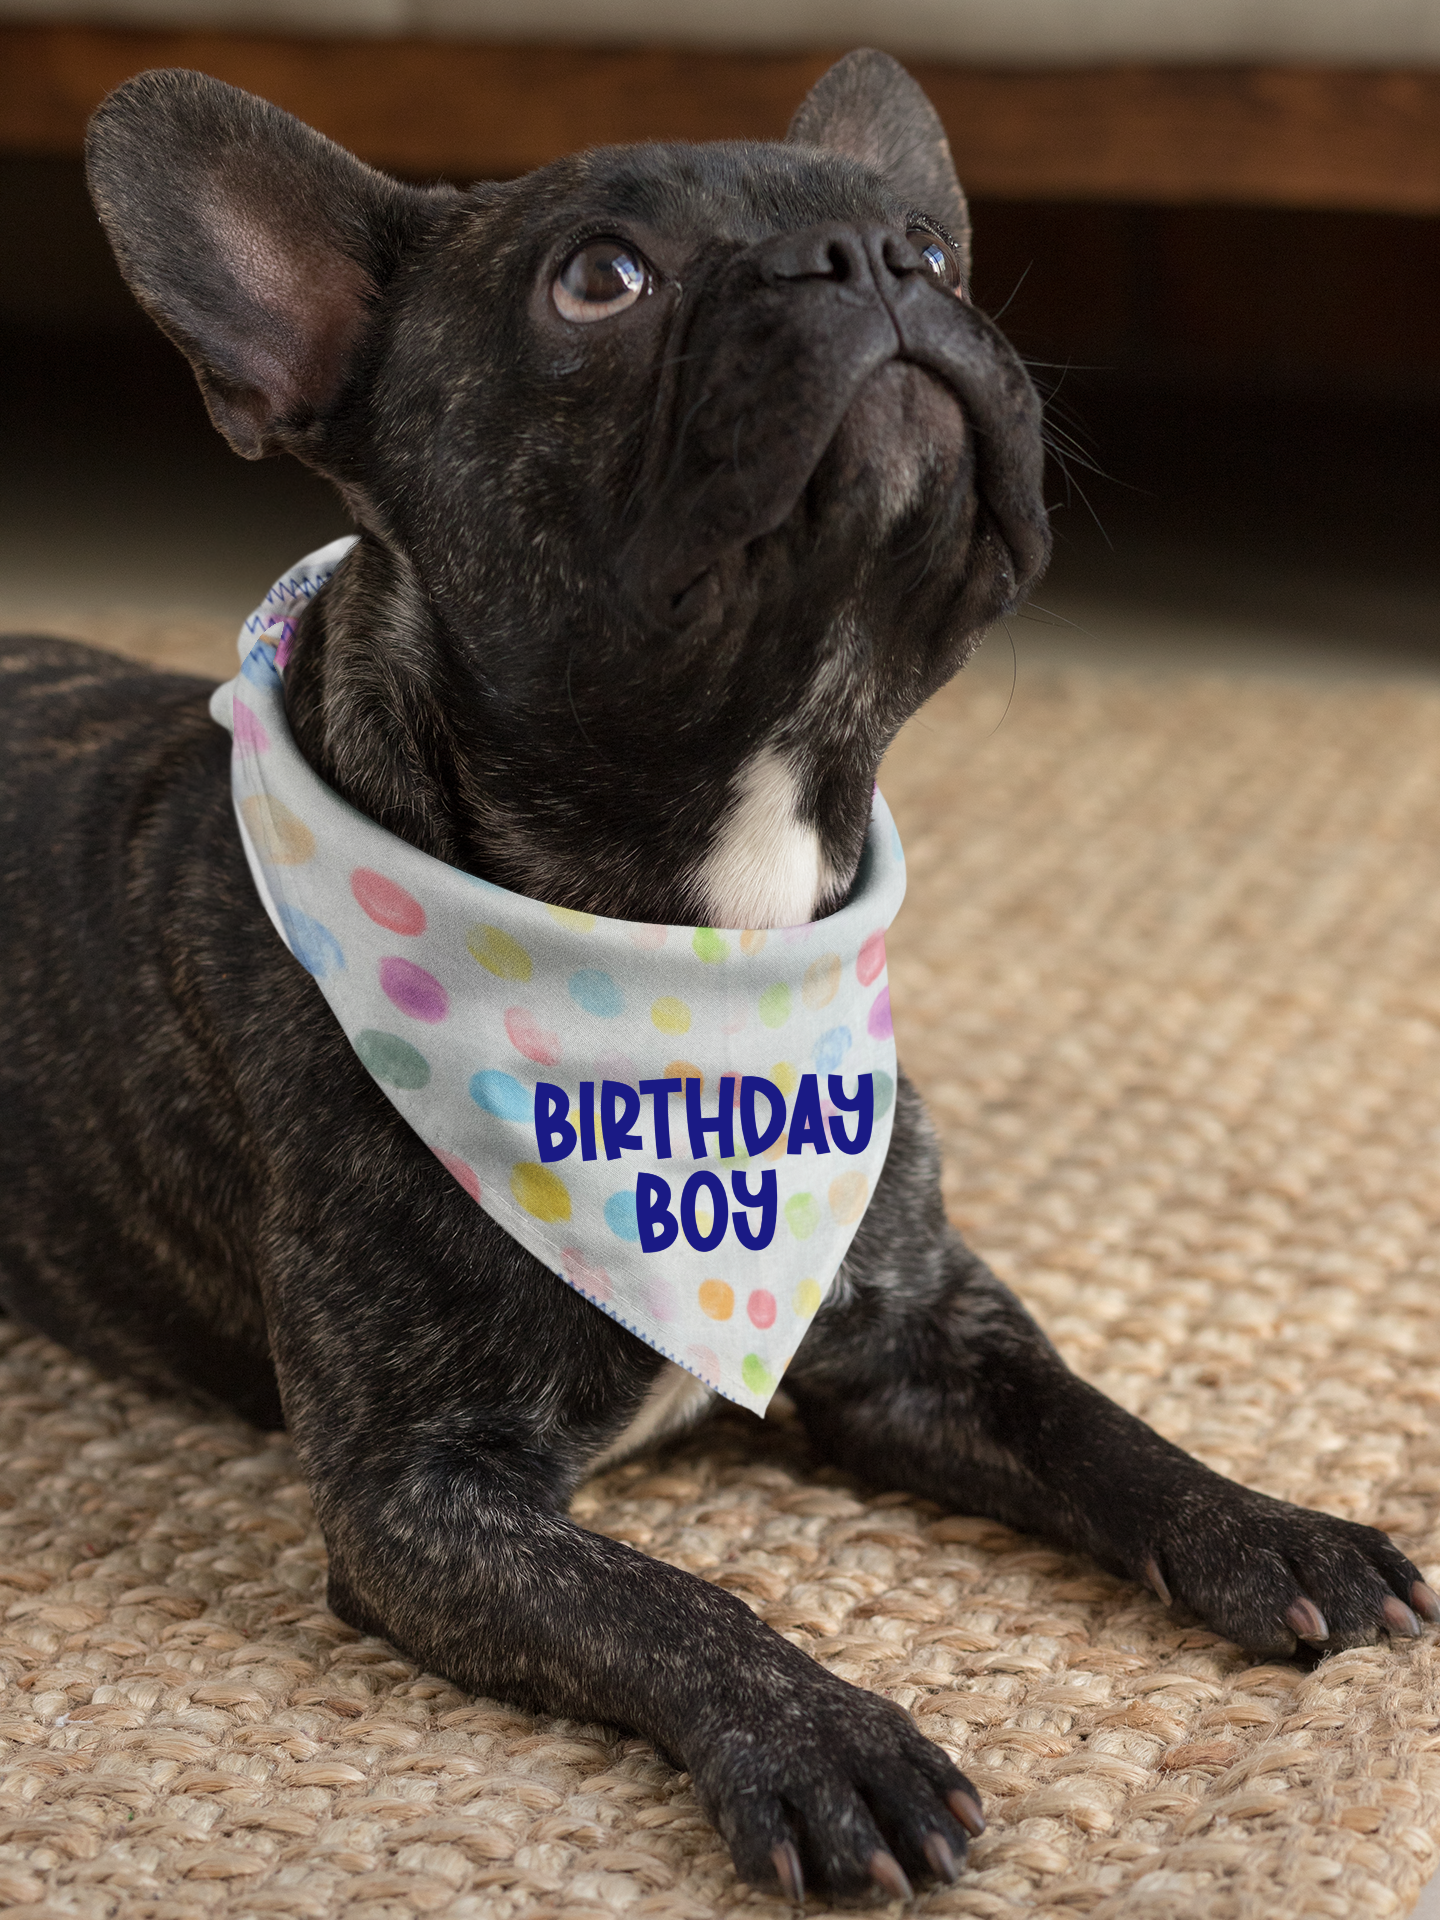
(683, 475)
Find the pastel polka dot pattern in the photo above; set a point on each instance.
(280, 836)
(501, 1094)
(775, 1005)
(595, 990)
(822, 982)
(539, 1191)
(515, 1037)
(393, 1061)
(386, 904)
(527, 1036)
(413, 990)
(871, 963)
(460, 1170)
(499, 953)
(848, 1195)
(314, 946)
(717, 1299)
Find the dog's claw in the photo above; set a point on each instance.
(966, 1809)
(1306, 1621)
(888, 1874)
(1157, 1581)
(942, 1861)
(786, 1861)
(1425, 1601)
(1398, 1618)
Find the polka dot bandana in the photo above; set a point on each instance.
(685, 1124)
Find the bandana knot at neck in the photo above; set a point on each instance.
(685, 1124)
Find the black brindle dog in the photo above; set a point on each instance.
(683, 476)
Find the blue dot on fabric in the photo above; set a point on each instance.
(314, 946)
(501, 1094)
(831, 1048)
(620, 1216)
(596, 992)
(259, 668)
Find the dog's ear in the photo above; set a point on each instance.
(256, 244)
(868, 108)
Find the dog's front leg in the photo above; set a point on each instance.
(927, 1373)
(441, 1428)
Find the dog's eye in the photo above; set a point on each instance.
(600, 278)
(936, 256)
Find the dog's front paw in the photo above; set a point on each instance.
(835, 1791)
(1268, 1575)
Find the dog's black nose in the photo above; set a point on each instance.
(875, 256)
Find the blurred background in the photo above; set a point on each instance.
(1213, 230)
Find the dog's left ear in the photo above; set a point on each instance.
(868, 108)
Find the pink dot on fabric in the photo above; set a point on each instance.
(413, 990)
(461, 1171)
(871, 962)
(706, 1362)
(386, 904)
(648, 938)
(761, 1308)
(249, 734)
(284, 646)
(660, 1297)
(880, 1026)
(527, 1036)
(578, 1271)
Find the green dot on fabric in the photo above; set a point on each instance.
(392, 1059)
(709, 946)
(802, 1214)
(775, 1005)
(756, 1375)
(884, 1093)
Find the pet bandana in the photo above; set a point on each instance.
(684, 1123)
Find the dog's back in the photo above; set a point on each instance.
(114, 803)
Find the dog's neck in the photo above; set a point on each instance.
(724, 833)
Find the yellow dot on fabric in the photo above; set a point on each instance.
(785, 1077)
(752, 941)
(671, 1015)
(717, 1299)
(709, 946)
(683, 1070)
(539, 1191)
(498, 953)
(807, 1298)
(568, 917)
(822, 981)
(775, 1005)
(847, 1197)
(280, 837)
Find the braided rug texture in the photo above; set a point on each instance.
(1168, 975)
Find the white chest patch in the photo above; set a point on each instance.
(765, 868)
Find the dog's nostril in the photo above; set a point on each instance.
(842, 267)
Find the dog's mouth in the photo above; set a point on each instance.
(849, 398)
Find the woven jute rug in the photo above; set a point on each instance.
(1169, 973)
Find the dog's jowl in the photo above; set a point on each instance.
(682, 476)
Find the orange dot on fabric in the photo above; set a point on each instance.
(717, 1299)
(683, 1070)
(822, 981)
(539, 1191)
(752, 941)
(847, 1197)
(386, 904)
(281, 837)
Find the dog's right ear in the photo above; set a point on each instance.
(256, 244)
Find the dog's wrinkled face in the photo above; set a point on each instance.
(693, 470)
